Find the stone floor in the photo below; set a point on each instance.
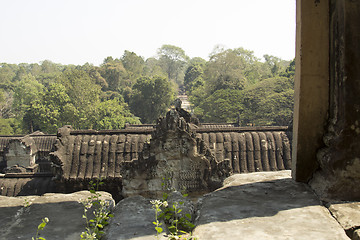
(266, 205)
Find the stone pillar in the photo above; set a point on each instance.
(339, 174)
(311, 85)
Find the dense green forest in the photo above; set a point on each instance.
(233, 85)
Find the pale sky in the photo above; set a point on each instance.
(80, 31)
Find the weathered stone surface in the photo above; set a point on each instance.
(179, 160)
(187, 205)
(267, 205)
(177, 151)
(338, 176)
(63, 210)
(133, 219)
(356, 235)
(347, 214)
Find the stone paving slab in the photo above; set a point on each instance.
(266, 205)
(346, 213)
(133, 219)
(64, 211)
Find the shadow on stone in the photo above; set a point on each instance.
(270, 207)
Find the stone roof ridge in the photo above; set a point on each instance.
(29, 142)
(68, 130)
(145, 125)
(224, 128)
(176, 119)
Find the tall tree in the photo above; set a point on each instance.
(7, 74)
(275, 64)
(193, 78)
(27, 90)
(225, 70)
(173, 61)
(151, 98)
(115, 74)
(6, 102)
(52, 110)
(84, 94)
(269, 102)
(152, 68)
(133, 64)
(114, 114)
(223, 105)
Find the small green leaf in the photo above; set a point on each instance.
(159, 229)
(190, 225)
(111, 215)
(188, 215)
(179, 211)
(165, 196)
(41, 226)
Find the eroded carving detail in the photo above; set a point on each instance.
(179, 160)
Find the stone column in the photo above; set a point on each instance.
(339, 174)
(311, 85)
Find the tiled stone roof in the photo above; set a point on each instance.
(44, 143)
(22, 186)
(250, 151)
(98, 154)
(78, 156)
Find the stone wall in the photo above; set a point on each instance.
(326, 145)
(177, 151)
(339, 173)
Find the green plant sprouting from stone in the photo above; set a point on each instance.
(40, 228)
(157, 205)
(178, 225)
(101, 214)
(27, 203)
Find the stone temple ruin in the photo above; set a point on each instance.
(177, 153)
(264, 205)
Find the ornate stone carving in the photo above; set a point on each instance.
(179, 160)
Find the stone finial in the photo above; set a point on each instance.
(65, 130)
(177, 103)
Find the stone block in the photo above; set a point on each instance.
(63, 210)
(346, 213)
(264, 206)
(133, 219)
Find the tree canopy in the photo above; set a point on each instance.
(151, 98)
(232, 85)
